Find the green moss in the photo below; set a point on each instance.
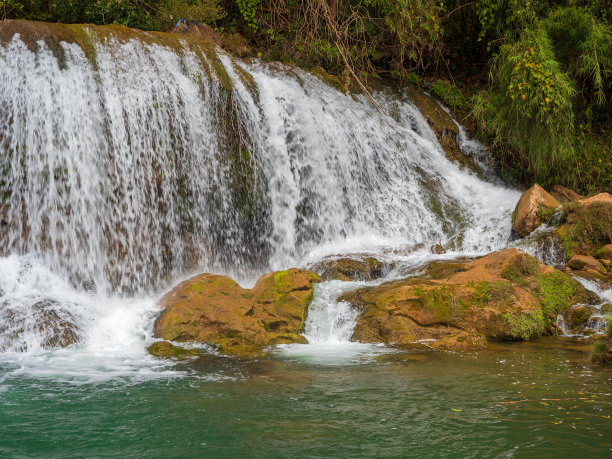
(449, 94)
(327, 78)
(444, 269)
(442, 301)
(555, 292)
(526, 326)
(520, 268)
(493, 293)
(598, 351)
(86, 42)
(165, 349)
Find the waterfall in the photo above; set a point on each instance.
(130, 160)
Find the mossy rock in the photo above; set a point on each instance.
(216, 310)
(165, 349)
(507, 295)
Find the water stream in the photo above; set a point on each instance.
(123, 173)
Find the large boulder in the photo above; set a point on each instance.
(214, 309)
(506, 295)
(535, 206)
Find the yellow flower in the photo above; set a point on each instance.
(547, 100)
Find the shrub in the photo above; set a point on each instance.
(529, 107)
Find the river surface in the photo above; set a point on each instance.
(538, 399)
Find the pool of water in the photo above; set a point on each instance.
(540, 399)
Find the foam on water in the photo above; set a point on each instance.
(120, 177)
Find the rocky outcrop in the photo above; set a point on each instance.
(535, 206)
(506, 295)
(216, 310)
(584, 263)
(563, 194)
(587, 232)
(350, 268)
(199, 30)
(443, 126)
(600, 199)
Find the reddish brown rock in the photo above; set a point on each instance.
(584, 263)
(563, 194)
(201, 31)
(506, 295)
(601, 198)
(536, 206)
(216, 310)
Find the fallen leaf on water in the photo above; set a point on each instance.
(456, 410)
(605, 417)
(544, 403)
(557, 422)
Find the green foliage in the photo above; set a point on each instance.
(407, 77)
(555, 291)
(149, 15)
(526, 326)
(530, 107)
(598, 351)
(248, 10)
(449, 94)
(412, 28)
(584, 46)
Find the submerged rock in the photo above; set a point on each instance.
(535, 206)
(506, 295)
(216, 310)
(165, 349)
(46, 323)
(350, 268)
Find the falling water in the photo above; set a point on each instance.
(130, 163)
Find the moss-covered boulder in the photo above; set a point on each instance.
(214, 309)
(166, 350)
(363, 268)
(587, 228)
(506, 295)
(535, 207)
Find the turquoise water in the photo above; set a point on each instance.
(414, 403)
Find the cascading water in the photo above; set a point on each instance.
(130, 163)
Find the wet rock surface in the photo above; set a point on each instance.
(506, 295)
(364, 268)
(216, 310)
(46, 323)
